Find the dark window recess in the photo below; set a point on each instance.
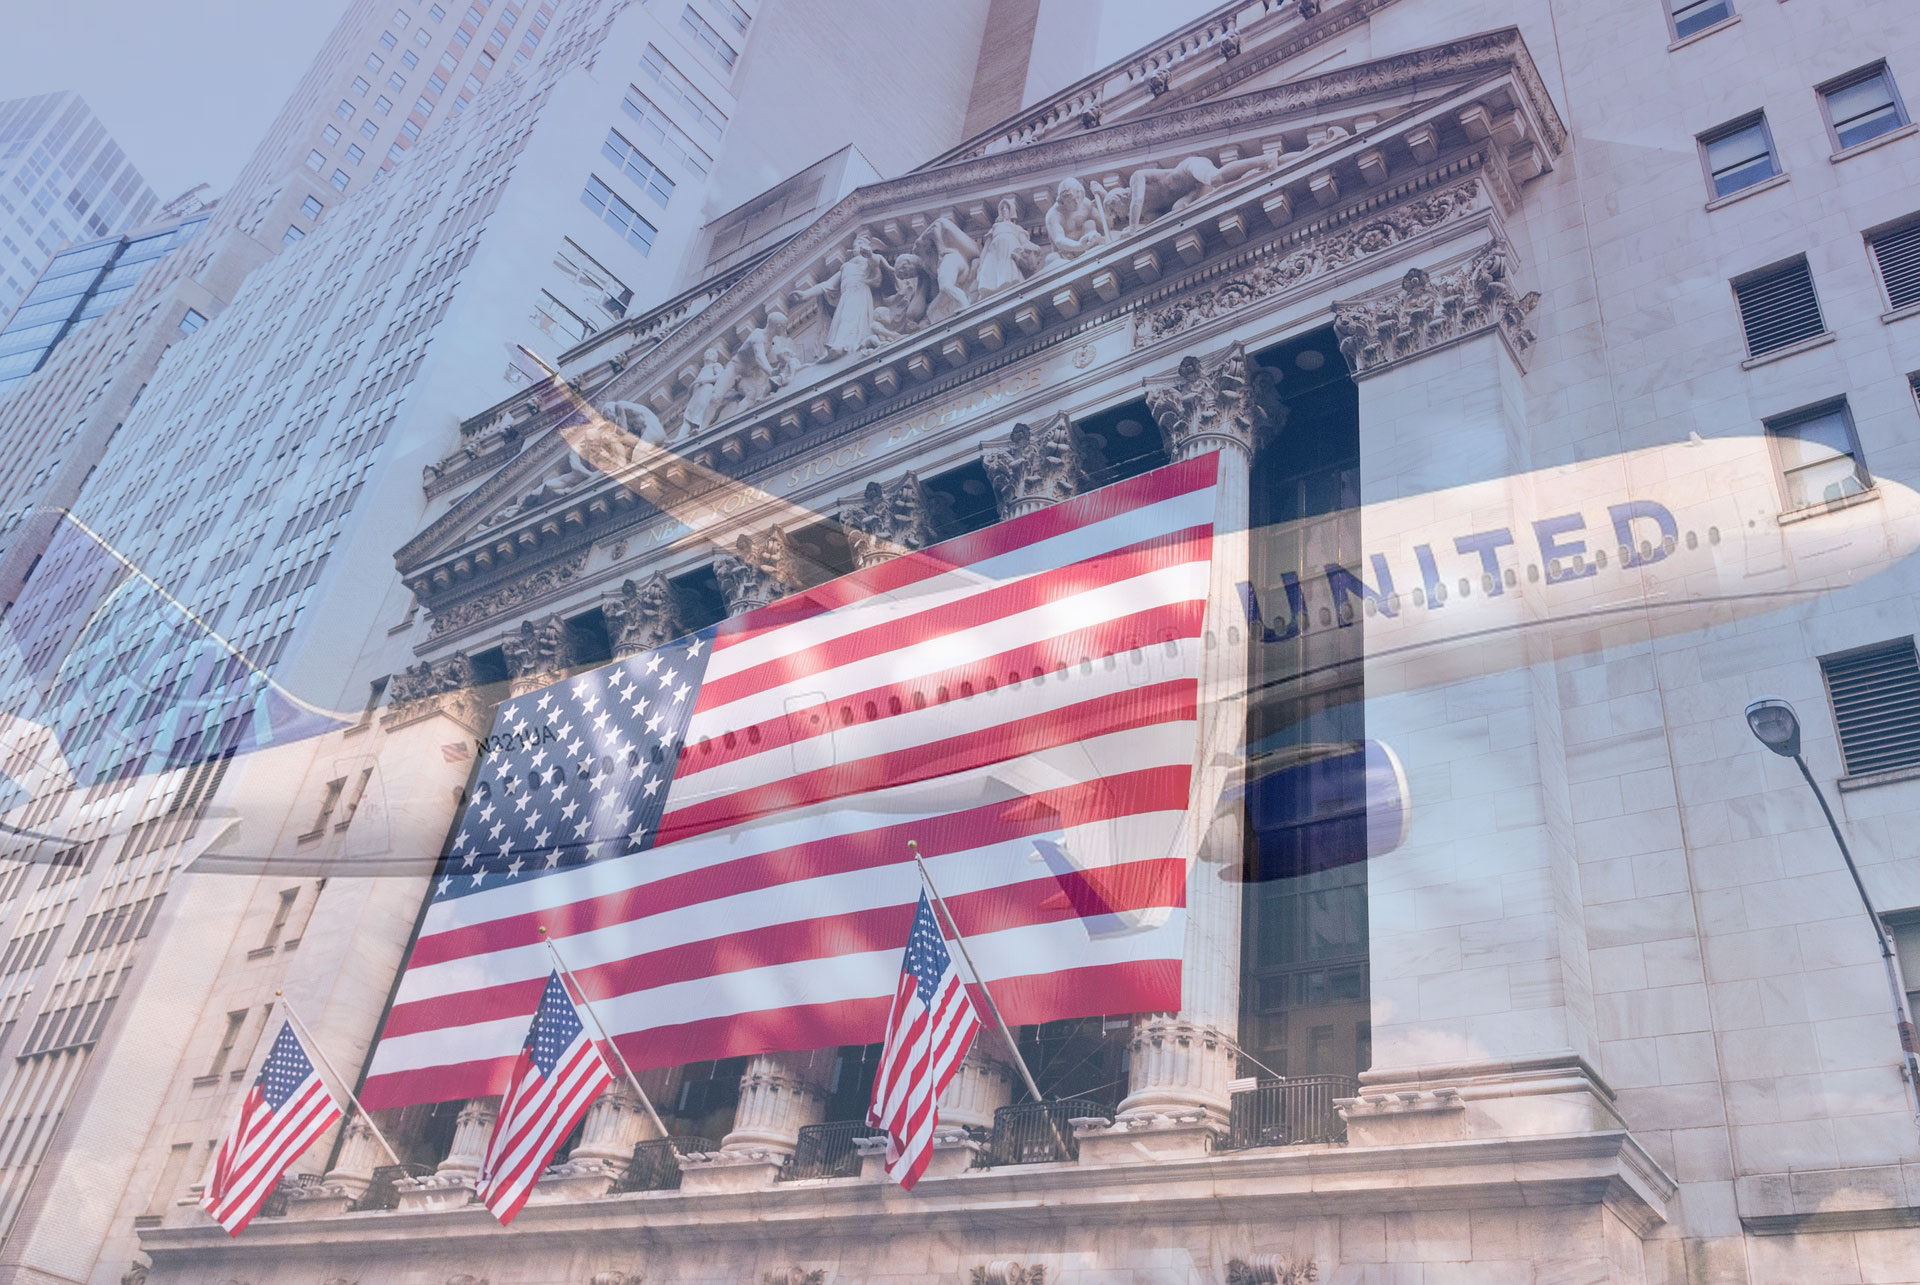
(961, 501)
(824, 552)
(1125, 443)
(489, 666)
(1778, 307)
(587, 642)
(1897, 254)
(701, 602)
(1876, 705)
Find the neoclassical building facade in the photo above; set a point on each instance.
(1496, 1035)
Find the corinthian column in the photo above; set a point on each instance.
(887, 520)
(536, 655)
(1179, 1063)
(1036, 465)
(777, 1095)
(451, 1183)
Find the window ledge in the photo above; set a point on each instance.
(1867, 496)
(1704, 32)
(1867, 780)
(203, 1081)
(1820, 340)
(259, 952)
(311, 835)
(1877, 140)
(1900, 314)
(1762, 186)
(142, 1222)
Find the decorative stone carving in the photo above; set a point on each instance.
(339, 1280)
(1007, 255)
(1156, 192)
(1307, 262)
(1037, 465)
(1307, 8)
(1171, 1060)
(646, 614)
(1076, 223)
(1004, 1271)
(431, 678)
(637, 420)
(537, 653)
(566, 475)
(946, 251)
(360, 1155)
(795, 1275)
(764, 362)
(134, 1275)
(855, 326)
(471, 1129)
(504, 598)
(887, 520)
(1208, 405)
(614, 1276)
(1271, 1269)
(1429, 310)
(777, 1097)
(980, 1086)
(1230, 45)
(761, 569)
(1159, 83)
(703, 402)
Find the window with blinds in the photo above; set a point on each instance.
(1818, 454)
(1896, 253)
(1876, 705)
(1778, 307)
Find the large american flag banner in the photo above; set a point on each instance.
(929, 1029)
(556, 1078)
(286, 1109)
(717, 829)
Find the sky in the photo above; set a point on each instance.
(186, 87)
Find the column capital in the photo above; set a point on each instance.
(536, 654)
(761, 569)
(1037, 465)
(887, 520)
(1432, 308)
(1209, 403)
(444, 686)
(646, 614)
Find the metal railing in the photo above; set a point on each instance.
(380, 1193)
(1287, 1113)
(275, 1205)
(656, 1166)
(1032, 1133)
(826, 1150)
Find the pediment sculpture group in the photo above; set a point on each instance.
(873, 298)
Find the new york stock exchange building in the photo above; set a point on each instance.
(1459, 334)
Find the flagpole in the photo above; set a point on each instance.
(633, 1081)
(978, 980)
(300, 1027)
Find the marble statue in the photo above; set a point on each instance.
(1008, 253)
(1157, 191)
(906, 307)
(1075, 223)
(855, 326)
(703, 401)
(952, 252)
(765, 361)
(637, 420)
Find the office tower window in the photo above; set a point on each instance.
(634, 164)
(344, 110)
(1862, 105)
(663, 133)
(311, 207)
(396, 82)
(330, 135)
(472, 83)
(1688, 16)
(731, 14)
(436, 12)
(393, 153)
(618, 215)
(400, 19)
(339, 179)
(497, 38)
(680, 90)
(316, 160)
(228, 1038)
(1739, 154)
(409, 130)
(373, 62)
(707, 38)
(1875, 693)
(292, 234)
(388, 40)
(1818, 455)
(355, 153)
(1896, 253)
(462, 37)
(368, 129)
(423, 105)
(383, 104)
(410, 59)
(1778, 307)
(422, 38)
(191, 322)
(361, 85)
(448, 63)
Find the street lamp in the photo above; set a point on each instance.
(1777, 727)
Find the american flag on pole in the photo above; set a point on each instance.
(285, 1111)
(558, 1075)
(717, 828)
(929, 1030)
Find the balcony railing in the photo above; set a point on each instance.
(1032, 1133)
(826, 1150)
(275, 1205)
(380, 1193)
(656, 1166)
(1287, 1113)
